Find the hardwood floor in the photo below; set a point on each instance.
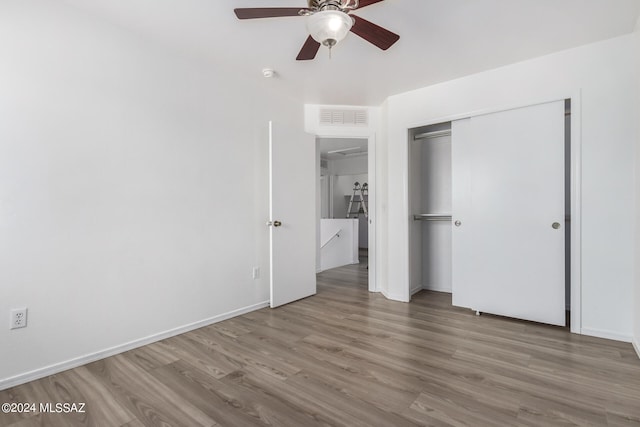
(346, 357)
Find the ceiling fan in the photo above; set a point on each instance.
(328, 23)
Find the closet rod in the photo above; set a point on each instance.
(444, 217)
(432, 217)
(433, 134)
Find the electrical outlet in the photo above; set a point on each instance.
(18, 318)
(256, 272)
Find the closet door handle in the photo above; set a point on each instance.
(555, 225)
(458, 223)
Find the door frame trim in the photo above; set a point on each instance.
(576, 189)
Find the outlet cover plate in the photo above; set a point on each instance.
(18, 318)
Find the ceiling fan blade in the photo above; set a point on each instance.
(309, 50)
(266, 12)
(364, 3)
(373, 33)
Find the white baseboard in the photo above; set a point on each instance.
(437, 287)
(606, 334)
(393, 297)
(636, 346)
(92, 357)
(432, 287)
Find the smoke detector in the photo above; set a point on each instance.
(268, 72)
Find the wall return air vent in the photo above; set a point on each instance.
(330, 117)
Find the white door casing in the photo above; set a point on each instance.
(292, 205)
(508, 191)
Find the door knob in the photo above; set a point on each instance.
(555, 225)
(274, 223)
(457, 223)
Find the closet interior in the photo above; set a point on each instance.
(430, 196)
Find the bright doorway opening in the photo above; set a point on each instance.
(344, 203)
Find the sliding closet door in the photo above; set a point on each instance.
(508, 213)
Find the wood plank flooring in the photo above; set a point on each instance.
(346, 357)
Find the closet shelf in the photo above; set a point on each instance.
(432, 217)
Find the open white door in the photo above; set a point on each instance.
(508, 213)
(292, 211)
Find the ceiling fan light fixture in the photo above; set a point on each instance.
(329, 27)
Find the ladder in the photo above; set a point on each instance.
(359, 200)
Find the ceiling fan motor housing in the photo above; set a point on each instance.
(342, 5)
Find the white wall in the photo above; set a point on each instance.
(381, 205)
(324, 200)
(343, 187)
(117, 218)
(636, 323)
(339, 243)
(352, 165)
(344, 172)
(606, 75)
(342, 191)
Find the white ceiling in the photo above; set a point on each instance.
(440, 39)
(352, 147)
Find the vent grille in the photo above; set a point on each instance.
(344, 117)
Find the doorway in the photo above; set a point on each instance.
(344, 199)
